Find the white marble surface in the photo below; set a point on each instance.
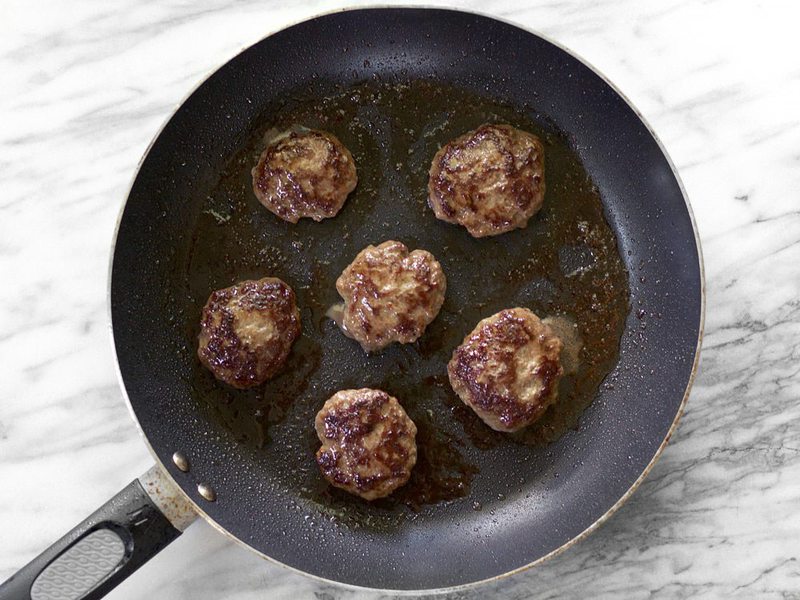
(84, 86)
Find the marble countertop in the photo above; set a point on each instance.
(85, 85)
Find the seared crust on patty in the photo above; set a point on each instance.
(490, 180)
(368, 445)
(507, 369)
(306, 173)
(390, 294)
(247, 331)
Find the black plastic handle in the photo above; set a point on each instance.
(98, 554)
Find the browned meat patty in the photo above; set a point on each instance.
(490, 180)
(306, 173)
(247, 331)
(368, 446)
(390, 295)
(507, 370)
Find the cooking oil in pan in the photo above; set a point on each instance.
(564, 265)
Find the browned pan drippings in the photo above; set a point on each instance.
(566, 262)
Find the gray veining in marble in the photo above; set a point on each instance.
(85, 85)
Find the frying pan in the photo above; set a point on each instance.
(527, 502)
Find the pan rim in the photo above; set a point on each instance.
(659, 451)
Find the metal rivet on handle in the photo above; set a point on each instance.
(180, 460)
(207, 492)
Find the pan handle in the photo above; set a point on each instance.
(106, 547)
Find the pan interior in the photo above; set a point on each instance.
(565, 263)
(480, 504)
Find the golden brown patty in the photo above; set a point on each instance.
(247, 331)
(390, 294)
(507, 370)
(368, 445)
(490, 180)
(306, 173)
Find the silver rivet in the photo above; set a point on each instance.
(207, 492)
(180, 460)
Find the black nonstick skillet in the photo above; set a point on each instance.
(614, 249)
